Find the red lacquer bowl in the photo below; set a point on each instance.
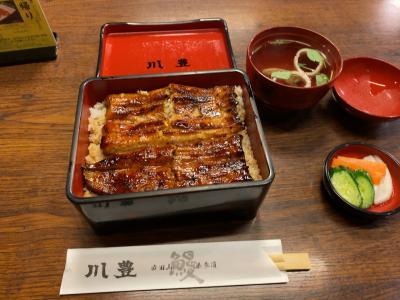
(369, 88)
(280, 97)
(360, 150)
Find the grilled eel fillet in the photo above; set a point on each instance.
(218, 160)
(176, 136)
(175, 113)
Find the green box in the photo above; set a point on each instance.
(25, 35)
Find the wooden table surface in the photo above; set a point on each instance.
(351, 259)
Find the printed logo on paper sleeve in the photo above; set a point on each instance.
(184, 266)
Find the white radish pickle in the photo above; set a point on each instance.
(383, 190)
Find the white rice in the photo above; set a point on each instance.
(87, 193)
(251, 162)
(97, 119)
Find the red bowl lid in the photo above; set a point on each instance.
(370, 87)
(151, 48)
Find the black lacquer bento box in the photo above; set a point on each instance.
(178, 66)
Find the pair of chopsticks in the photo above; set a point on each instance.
(291, 261)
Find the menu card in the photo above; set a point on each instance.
(171, 266)
(25, 34)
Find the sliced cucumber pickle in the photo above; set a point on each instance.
(366, 188)
(345, 185)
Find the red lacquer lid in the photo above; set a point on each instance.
(148, 48)
(369, 88)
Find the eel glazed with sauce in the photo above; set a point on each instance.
(177, 136)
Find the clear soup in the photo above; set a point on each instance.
(292, 63)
